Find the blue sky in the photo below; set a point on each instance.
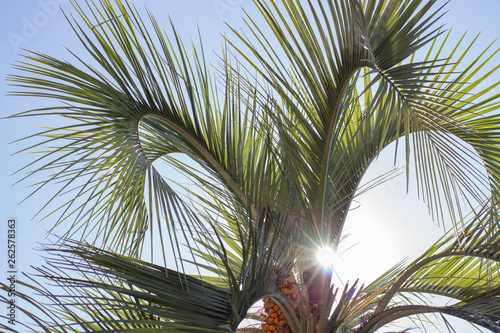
(400, 220)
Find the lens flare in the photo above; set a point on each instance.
(325, 256)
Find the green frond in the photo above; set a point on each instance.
(126, 294)
(464, 270)
(100, 291)
(141, 99)
(251, 259)
(347, 83)
(275, 161)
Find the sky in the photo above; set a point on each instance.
(398, 219)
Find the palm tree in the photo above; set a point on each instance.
(275, 142)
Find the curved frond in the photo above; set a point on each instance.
(103, 292)
(464, 270)
(140, 99)
(348, 83)
(125, 294)
(251, 260)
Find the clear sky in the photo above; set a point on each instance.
(399, 221)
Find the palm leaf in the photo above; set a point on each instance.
(252, 260)
(104, 292)
(332, 123)
(273, 167)
(464, 270)
(140, 101)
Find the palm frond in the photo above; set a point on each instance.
(275, 169)
(104, 291)
(464, 270)
(101, 291)
(352, 86)
(141, 99)
(252, 260)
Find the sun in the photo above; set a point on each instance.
(325, 256)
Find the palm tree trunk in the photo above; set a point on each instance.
(317, 280)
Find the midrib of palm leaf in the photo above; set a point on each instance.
(141, 85)
(409, 97)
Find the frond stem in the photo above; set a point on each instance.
(211, 161)
(326, 156)
(395, 287)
